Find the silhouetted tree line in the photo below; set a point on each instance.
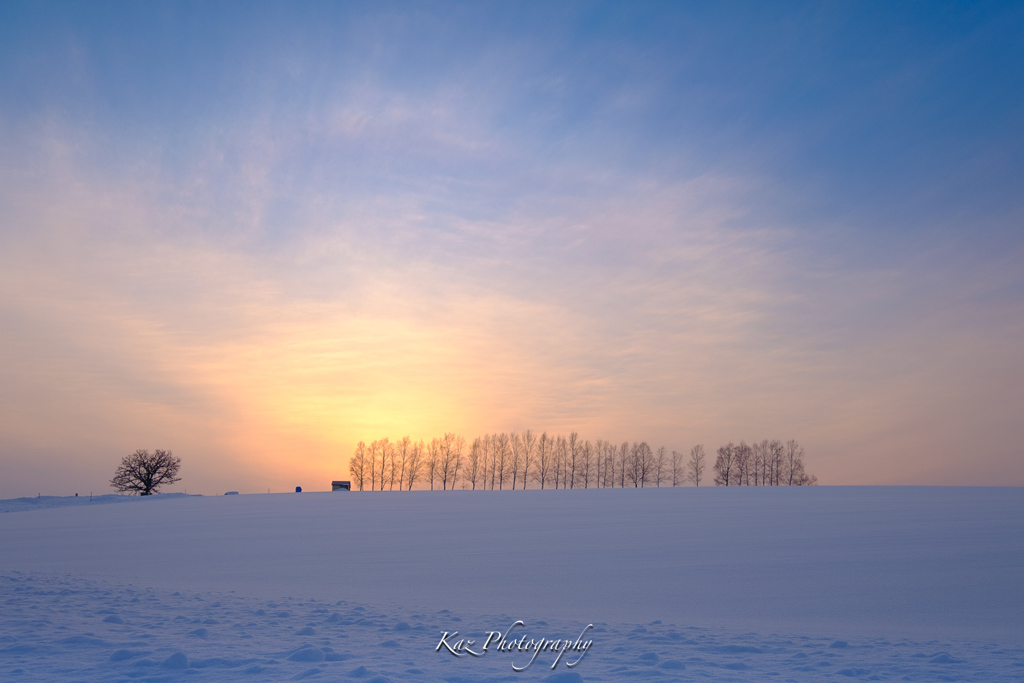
(769, 463)
(516, 460)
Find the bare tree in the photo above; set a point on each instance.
(450, 457)
(473, 461)
(586, 454)
(143, 473)
(458, 464)
(633, 466)
(767, 470)
(677, 468)
(793, 465)
(403, 449)
(357, 465)
(502, 455)
(724, 465)
(529, 445)
(433, 461)
(415, 464)
(372, 453)
(444, 464)
(696, 464)
(486, 462)
(645, 462)
(455, 447)
(391, 471)
(762, 463)
(758, 465)
(742, 461)
(495, 457)
(386, 451)
(641, 462)
(484, 444)
(561, 455)
(543, 459)
(378, 457)
(609, 464)
(776, 454)
(572, 457)
(623, 463)
(516, 458)
(659, 465)
(794, 454)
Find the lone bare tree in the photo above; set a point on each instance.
(143, 473)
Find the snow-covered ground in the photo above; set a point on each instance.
(748, 584)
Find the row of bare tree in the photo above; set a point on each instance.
(769, 463)
(515, 460)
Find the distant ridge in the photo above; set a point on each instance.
(43, 502)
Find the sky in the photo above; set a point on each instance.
(256, 234)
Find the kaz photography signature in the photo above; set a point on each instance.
(515, 643)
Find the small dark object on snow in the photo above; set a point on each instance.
(298, 489)
(341, 486)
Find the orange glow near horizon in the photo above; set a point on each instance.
(261, 263)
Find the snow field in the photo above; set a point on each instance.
(66, 629)
(681, 584)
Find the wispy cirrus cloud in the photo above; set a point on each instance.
(348, 243)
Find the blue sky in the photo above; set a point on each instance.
(263, 232)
